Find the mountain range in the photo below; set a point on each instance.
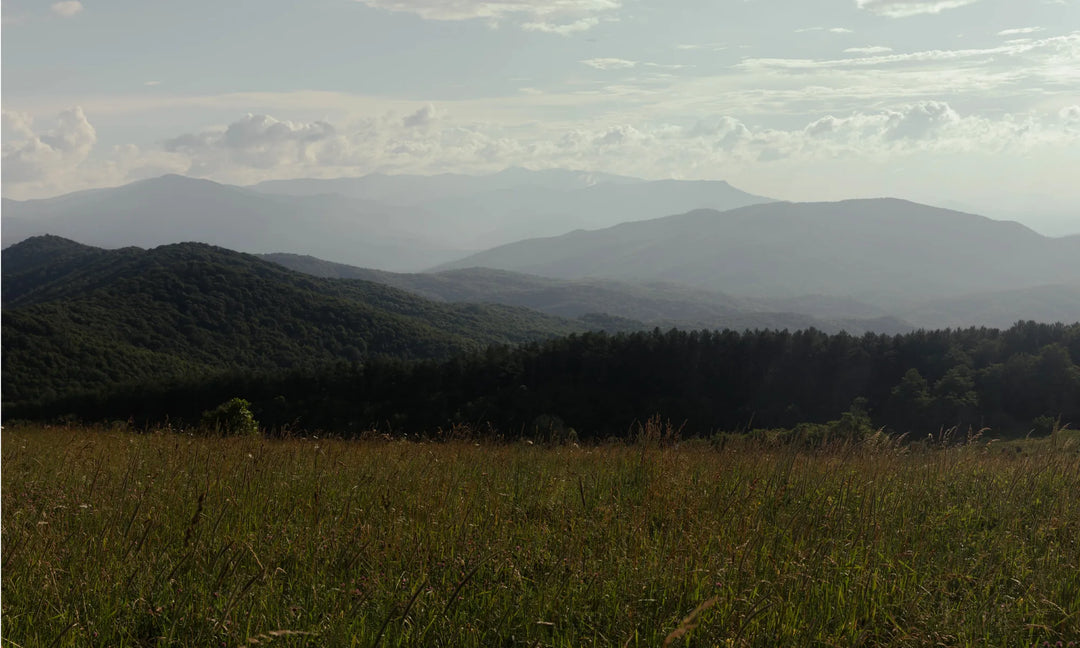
(664, 305)
(482, 211)
(400, 223)
(891, 254)
(743, 262)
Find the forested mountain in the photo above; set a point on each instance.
(1021, 380)
(78, 318)
(889, 253)
(655, 304)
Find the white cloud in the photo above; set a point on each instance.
(422, 118)
(831, 156)
(30, 156)
(553, 16)
(67, 8)
(831, 30)
(906, 8)
(272, 148)
(713, 47)
(259, 141)
(609, 63)
(876, 49)
(1070, 116)
(1063, 47)
(565, 29)
(1019, 30)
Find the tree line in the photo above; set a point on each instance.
(598, 385)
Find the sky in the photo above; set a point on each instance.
(971, 104)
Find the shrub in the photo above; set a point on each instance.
(231, 418)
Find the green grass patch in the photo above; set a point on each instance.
(119, 539)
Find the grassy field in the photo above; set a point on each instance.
(112, 538)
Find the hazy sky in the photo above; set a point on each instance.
(971, 103)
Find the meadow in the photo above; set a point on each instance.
(117, 538)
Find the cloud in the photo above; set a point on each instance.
(609, 63)
(259, 141)
(932, 145)
(67, 8)
(30, 156)
(868, 50)
(831, 30)
(561, 17)
(583, 24)
(919, 121)
(422, 118)
(713, 47)
(910, 123)
(1019, 30)
(1064, 47)
(906, 8)
(1070, 116)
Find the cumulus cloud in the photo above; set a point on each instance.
(906, 8)
(919, 120)
(30, 156)
(908, 125)
(1070, 116)
(257, 140)
(422, 118)
(423, 138)
(67, 8)
(562, 17)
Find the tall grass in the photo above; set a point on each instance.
(120, 539)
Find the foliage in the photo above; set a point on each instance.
(121, 539)
(231, 418)
(79, 319)
(705, 382)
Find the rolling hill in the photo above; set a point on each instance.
(79, 318)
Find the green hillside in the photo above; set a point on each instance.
(78, 318)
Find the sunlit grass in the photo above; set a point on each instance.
(121, 539)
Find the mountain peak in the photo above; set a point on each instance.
(175, 180)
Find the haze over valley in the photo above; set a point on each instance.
(660, 253)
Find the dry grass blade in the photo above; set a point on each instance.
(460, 585)
(274, 634)
(690, 622)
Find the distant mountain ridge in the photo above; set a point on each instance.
(397, 223)
(889, 253)
(480, 211)
(663, 305)
(173, 208)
